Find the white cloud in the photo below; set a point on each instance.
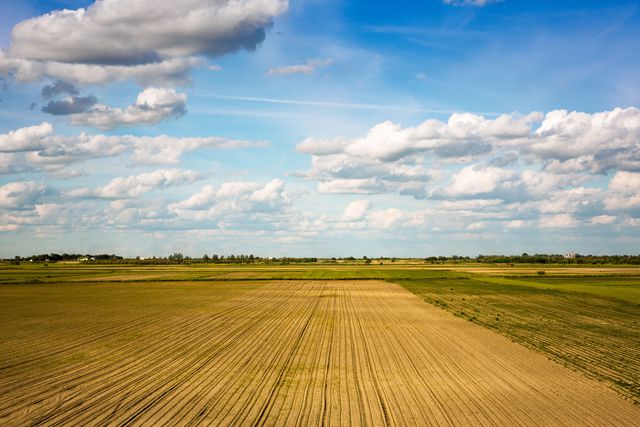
(70, 105)
(356, 210)
(603, 220)
(134, 186)
(307, 68)
(476, 226)
(163, 150)
(631, 222)
(234, 197)
(516, 224)
(26, 139)
(122, 32)
(624, 191)
(580, 200)
(561, 149)
(386, 219)
(37, 148)
(558, 221)
(354, 186)
(152, 106)
(477, 3)
(22, 195)
(168, 73)
(260, 208)
(393, 159)
(11, 163)
(578, 142)
(141, 40)
(479, 179)
(244, 207)
(625, 183)
(473, 204)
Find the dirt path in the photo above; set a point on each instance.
(311, 353)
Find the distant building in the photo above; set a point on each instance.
(570, 255)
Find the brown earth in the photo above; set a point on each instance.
(300, 353)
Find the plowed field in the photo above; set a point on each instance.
(273, 353)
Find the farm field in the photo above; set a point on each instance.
(119, 345)
(592, 327)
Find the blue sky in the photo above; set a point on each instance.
(319, 128)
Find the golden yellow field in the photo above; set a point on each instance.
(293, 352)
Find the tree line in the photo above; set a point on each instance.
(179, 258)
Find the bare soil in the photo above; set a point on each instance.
(299, 353)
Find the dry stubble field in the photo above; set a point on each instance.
(273, 353)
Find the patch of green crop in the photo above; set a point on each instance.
(597, 335)
(626, 288)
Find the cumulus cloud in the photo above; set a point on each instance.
(356, 210)
(469, 205)
(235, 197)
(121, 32)
(10, 163)
(603, 220)
(462, 135)
(59, 87)
(558, 221)
(152, 106)
(550, 171)
(22, 195)
(38, 148)
(490, 182)
(164, 150)
(517, 223)
(476, 226)
(480, 179)
(307, 68)
(239, 205)
(560, 149)
(578, 201)
(624, 191)
(236, 208)
(70, 105)
(390, 158)
(582, 142)
(134, 186)
(167, 73)
(30, 138)
(115, 37)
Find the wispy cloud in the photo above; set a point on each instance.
(336, 104)
(307, 68)
(476, 3)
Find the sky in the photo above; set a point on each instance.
(325, 128)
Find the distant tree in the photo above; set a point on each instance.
(176, 257)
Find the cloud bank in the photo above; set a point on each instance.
(146, 41)
(38, 148)
(559, 149)
(153, 105)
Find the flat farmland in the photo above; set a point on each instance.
(589, 324)
(272, 352)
